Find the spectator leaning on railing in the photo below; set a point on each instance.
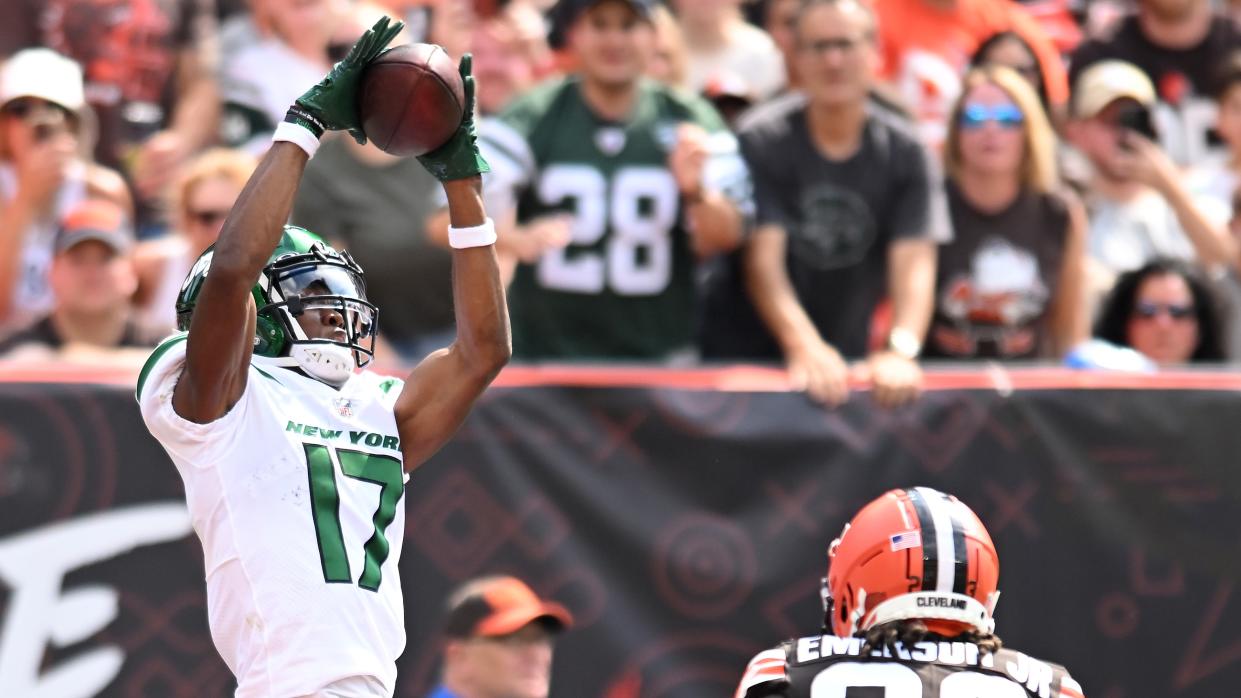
(649, 176)
(849, 209)
(1011, 284)
(43, 174)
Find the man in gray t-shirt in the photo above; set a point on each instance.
(848, 211)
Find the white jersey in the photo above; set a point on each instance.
(296, 497)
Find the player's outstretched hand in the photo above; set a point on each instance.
(459, 157)
(331, 104)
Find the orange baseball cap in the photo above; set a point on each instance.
(497, 606)
(95, 219)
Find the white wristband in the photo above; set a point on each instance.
(297, 135)
(476, 236)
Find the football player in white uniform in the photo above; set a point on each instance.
(908, 604)
(294, 461)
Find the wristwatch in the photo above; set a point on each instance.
(902, 341)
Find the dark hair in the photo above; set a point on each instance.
(1228, 75)
(1113, 322)
(979, 59)
(909, 632)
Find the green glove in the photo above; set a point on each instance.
(332, 104)
(459, 157)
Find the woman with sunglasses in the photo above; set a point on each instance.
(1010, 283)
(1010, 49)
(1165, 311)
(201, 199)
(43, 175)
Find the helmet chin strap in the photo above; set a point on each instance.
(324, 361)
(859, 612)
(330, 363)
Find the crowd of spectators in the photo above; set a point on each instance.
(848, 187)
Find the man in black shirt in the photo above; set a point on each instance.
(848, 211)
(93, 280)
(1180, 45)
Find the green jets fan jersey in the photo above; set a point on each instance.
(295, 494)
(624, 286)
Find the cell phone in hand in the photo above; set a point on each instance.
(1137, 118)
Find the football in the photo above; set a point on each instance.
(411, 99)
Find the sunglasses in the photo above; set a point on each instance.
(208, 217)
(1004, 115)
(1176, 311)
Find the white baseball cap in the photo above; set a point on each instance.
(44, 74)
(1107, 81)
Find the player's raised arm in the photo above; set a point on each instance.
(221, 332)
(440, 390)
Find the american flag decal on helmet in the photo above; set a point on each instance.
(908, 539)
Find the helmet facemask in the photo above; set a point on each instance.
(825, 589)
(330, 285)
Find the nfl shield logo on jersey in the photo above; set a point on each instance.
(344, 406)
(610, 140)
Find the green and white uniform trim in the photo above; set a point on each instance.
(295, 494)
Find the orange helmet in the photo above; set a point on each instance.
(912, 554)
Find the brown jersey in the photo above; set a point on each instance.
(826, 666)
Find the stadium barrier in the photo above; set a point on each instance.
(682, 516)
